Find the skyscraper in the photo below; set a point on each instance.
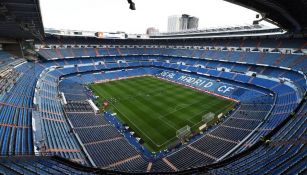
(182, 23)
(193, 22)
(173, 23)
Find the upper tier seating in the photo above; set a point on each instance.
(296, 62)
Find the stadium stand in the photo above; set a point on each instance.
(248, 57)
(237, 124)
(49, 125)
(231, 132)
(285, 153)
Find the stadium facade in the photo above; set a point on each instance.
(50, 123)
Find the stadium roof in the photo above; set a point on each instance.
(288, 14)
(20, 19)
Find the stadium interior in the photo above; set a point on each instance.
(52, 121)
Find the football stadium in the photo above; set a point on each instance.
(229, 100)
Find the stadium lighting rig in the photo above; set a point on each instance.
(257, 21)
(262, 17)
(132, 5)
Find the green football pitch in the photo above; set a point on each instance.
(155, 109)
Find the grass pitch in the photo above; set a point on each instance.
(155, 109)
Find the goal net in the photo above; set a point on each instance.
(208, 117)
(184, 132)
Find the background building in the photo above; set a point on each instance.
(181, 23)
(152, 31)
(184, 20)
(173, 23)
(193, 22)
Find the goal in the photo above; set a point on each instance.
(208, 117)
(183, 132)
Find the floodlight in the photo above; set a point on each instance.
(132, 5)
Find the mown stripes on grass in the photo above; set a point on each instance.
(155, 109)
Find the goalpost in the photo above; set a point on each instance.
(183, 132)
(208, 117)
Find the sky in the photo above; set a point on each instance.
(115, 15)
